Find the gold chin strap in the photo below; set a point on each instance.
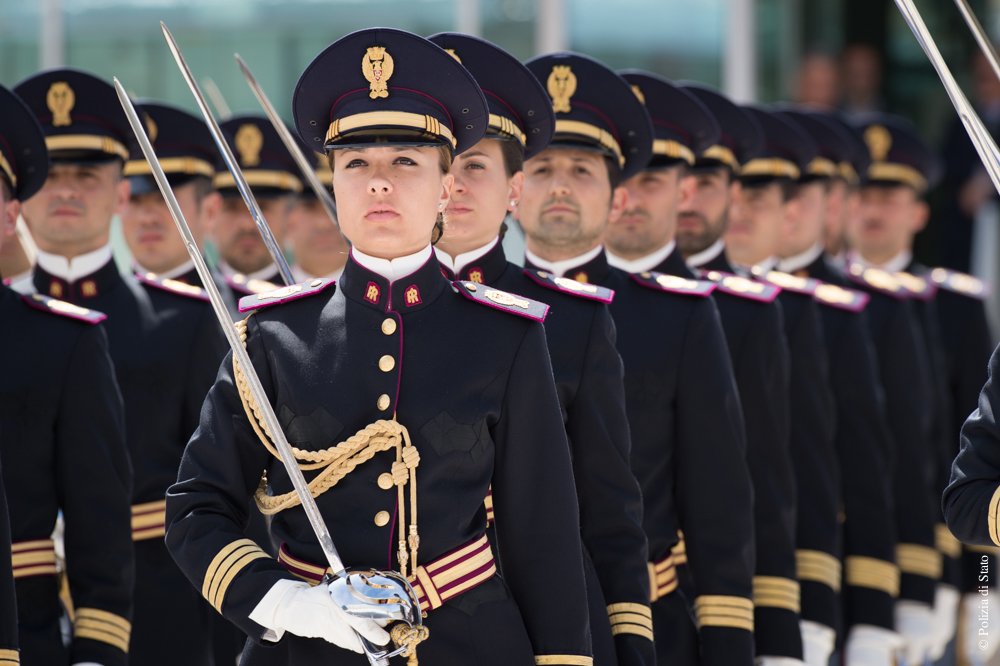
(338, 461)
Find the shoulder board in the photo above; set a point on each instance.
(673, 284)
(960, 283)
(292, 292)
(253, 285)
(57, 307)
(877, 279)
(916, 286)
(570, 286)
(173, 286)
(789, 282)
(502, 300)
(739, 286)
(838, 297)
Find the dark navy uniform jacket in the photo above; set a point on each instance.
(754, 328)
(8, 599)
(473, 386)
(62, 440)
(589, 381)
(901, 354)
(166, 347)
(871, 577)
(814, 457)
(688, 447)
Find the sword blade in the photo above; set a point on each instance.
(307, 167)
(985, 44)
(222, 314)
(986, 147)
(227, 155)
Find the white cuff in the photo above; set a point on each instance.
(778, 661)
(818, 641)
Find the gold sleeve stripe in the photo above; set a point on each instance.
(818, 567)
(563, 660)
(631, 618)
(100, 625)
(626, 607)
(946, 541)
(918, 560)
(679, 551)
(724, 611)
(776, 592)
(873, 573)
(33, 558)
(225, 566)
(991, 517)
(9, 658)
(662, 578)
(149, 520)
(983, 550)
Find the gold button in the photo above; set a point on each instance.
(383, 402)
(386, 363)
(382, 518)
(389, 326)
(385, 481)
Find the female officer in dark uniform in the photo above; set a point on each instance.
(416, 378)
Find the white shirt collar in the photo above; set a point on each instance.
(894, 265)
(767, 265)
(699, 259)
(266, 273)
(559, 268)
(299, 275)
(461, 261)
(73, 269)
(642, 264)
(797, 261)
(166, 275)
(393, 269)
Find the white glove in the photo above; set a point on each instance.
(946, 600)
(817, 643)
(307, 611)
(976, 637)
(868, 645)
(87, 663)
(778, 661)
(915, 622)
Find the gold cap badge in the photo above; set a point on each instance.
(377, 66)
(561, 85)
(638, 93)
(879, 142)
(151, 129)
(60, 99)
(249, 141)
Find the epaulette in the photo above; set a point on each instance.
(735, 285)
(674, 284)
(838, 297)
(252, 285)
(570, 286)
(877, 279)
(292, 292)
(55, 306)
(916, 286)
(502, 300)
(788, 282)
(960, 283)
(172, 286)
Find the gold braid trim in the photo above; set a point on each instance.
(338, 461)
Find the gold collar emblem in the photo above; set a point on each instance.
(377, 66)
(561, 85)
(60, 99)
(879, 141)
(249, 141)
